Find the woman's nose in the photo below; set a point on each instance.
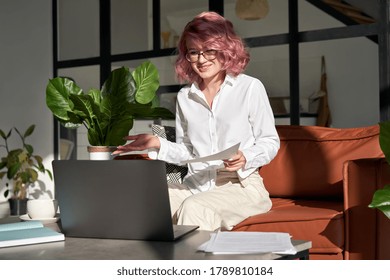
(201, 58)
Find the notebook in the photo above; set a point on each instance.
(118, 199)
(29, 232)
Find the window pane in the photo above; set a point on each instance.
(78, 29)
(313, 18)
(353, 96)
(174, 16)
(271, 66)
(165, 66)
(86, 77)
(131, 26)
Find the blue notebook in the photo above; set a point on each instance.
(24, 233)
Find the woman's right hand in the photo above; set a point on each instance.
(139, 142)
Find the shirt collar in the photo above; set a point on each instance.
(229, 80)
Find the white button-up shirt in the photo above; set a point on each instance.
(240, 113)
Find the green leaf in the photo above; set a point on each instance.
(95, 95)
(32, 174)
(29, 131)
(13, 169)
(13, 155)
(83, 108)
(119, 88)
(118, 130)
(58, 100)
(381, 200)
(384, 139)
(29, 149)
(49, 173)
(147, 80)
(93, 137)
(5, 137)
(114, 123)
(39, 165)
(156, 102)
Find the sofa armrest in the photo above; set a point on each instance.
(366, 228)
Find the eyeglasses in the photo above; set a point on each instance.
(193, 56)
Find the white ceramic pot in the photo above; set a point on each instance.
(42, 208)
(101, 152)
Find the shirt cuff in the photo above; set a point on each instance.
(153, 153)
(245, 173)
(159, 153)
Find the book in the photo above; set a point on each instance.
(25, 233)
(228, 242)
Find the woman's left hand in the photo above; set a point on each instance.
(236, 162)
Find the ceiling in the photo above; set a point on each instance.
(370, 7)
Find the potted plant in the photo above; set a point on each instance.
(21, 168)
(109, 113)
(381, 198)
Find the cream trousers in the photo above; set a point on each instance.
(229, 203)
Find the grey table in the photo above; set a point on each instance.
(113, 249)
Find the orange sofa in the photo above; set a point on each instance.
(321, 183)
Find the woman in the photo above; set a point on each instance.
(218, 109)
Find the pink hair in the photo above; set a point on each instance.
(211, 31)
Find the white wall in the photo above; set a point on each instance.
(25, 67)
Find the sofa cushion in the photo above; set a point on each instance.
(321, 222)
(310, 160)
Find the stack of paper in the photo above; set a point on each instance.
(226, 154)
(230, 242)
(23, 233)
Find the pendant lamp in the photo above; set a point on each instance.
(251, 9)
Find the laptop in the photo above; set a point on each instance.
(117, 199)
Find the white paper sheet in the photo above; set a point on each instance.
(226, 154)
(226, 242)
